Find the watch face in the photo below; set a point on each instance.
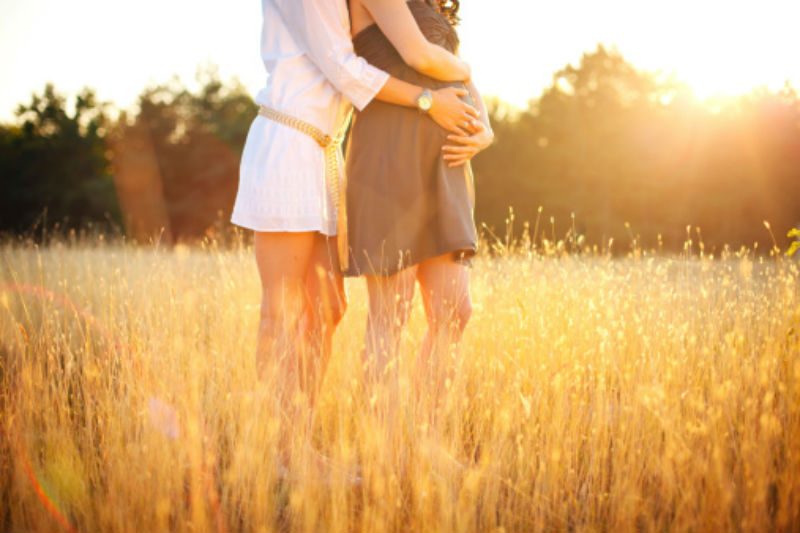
(425, 102)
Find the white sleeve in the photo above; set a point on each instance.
(316, 27)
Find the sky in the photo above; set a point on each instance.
(718, 47)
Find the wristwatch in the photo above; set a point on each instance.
(425, 101)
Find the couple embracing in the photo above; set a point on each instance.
(404, 212)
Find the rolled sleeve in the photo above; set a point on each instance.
(317, 27)
(359, 81)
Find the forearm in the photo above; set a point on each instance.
(401, 28)
(440, 64)
(398, 92)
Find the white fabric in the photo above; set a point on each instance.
(314, 75)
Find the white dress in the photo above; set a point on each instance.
(314, 75)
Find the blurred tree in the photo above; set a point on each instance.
(606, 141)
(198, 140)
(137, 178)
(53, 165)
(615, 145)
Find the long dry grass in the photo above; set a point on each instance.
(593, 394)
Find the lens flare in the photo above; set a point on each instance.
(46, 501)
(164, 418)
(64, 302)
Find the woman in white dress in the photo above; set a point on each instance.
(286, 194)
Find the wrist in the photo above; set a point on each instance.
(425, 100)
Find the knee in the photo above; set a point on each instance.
(335, 313)
(270, 318)
(463, 313)
(279, 312)
(453, 317)
(325, 315)
(390, 317)
(459, 315)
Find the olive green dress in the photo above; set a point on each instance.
(404, 204)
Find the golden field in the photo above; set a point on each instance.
(642, 393)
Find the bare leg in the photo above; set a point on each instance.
(444, 284)
(302, 302)
(326, 304)
(390, 299)
(282, 260)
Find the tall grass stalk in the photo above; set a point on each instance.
(643, 393)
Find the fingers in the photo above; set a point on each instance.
(459, 149)
(458, 130)
(453, 125)
(461, 161)
(469, 126)
(455, 115)
(471, 111)
(478, 126)
(456, 156)
(467, 140)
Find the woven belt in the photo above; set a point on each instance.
(338, 191)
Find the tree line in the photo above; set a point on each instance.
(607, 150)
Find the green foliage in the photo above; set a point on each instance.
(53, 165)
(56, 169)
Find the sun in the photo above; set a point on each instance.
(724, 83)
(733, 69)
(717, 48)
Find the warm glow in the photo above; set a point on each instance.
(515, 46)
(719, 48)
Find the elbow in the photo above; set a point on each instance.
(423, 65)
(420, 60)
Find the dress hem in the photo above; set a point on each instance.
(469, 250)
(284, 226)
